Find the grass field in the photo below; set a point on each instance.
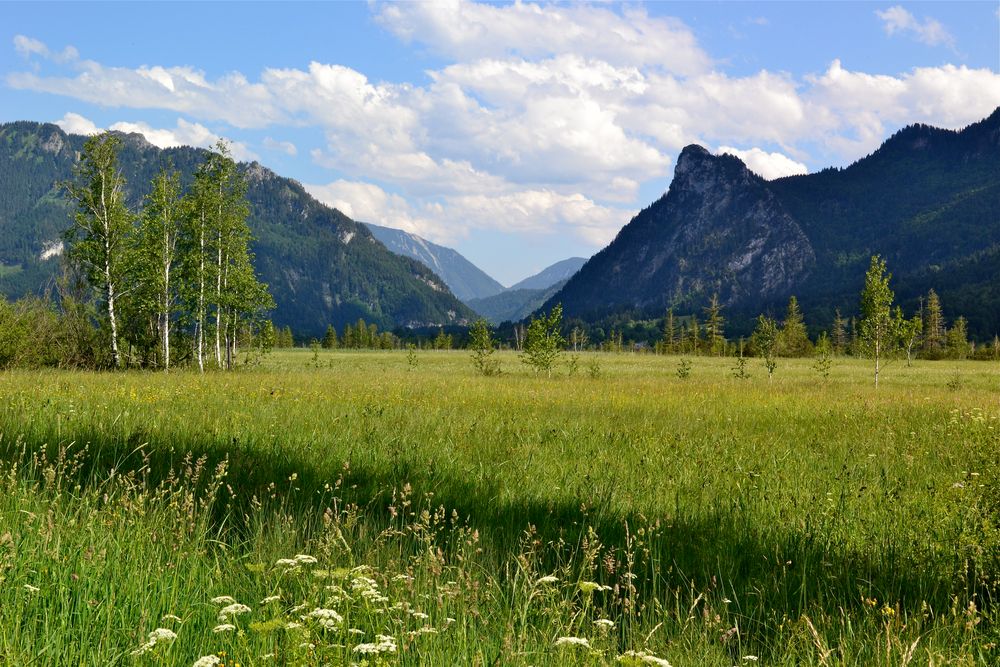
(358, 508)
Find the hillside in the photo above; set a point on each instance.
(464, 279)
(321, 266)
(559, 272)
(928, 200)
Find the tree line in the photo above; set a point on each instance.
(172, 282)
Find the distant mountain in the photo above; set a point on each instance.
(322, 267)
(557, 273)
(928, 200)
(513, 305)
(463, 278)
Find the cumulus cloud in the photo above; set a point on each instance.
(547, 117)
(74, 123)
(27, 47)
(286, 147)
(896, 19)
(469, 30)
(767, 165)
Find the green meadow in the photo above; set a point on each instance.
(339, 508)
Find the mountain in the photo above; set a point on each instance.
(557, 273)
(464, 279)
(928, 200)
(513, 305)
(322, 267)
(520, 300)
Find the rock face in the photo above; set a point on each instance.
(718, 229)
(928, 201)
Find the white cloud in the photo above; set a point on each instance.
(286, 147)
(74, 123)
(896, 19)
(766, 165)
(531, 128)
(184, 133)
(27, 47)
(468, 30)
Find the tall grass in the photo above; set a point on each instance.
(457, 519)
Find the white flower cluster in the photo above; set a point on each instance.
(645, 658)
(157, 636)
(384, 644)
(233, 609)
(207, 661)
(368, 589)
(328, 618)
(573, 641)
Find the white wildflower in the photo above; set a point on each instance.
(224, 627)
(31, 589)
(292, 625)
(605, 623)
(171, 617)
(644, 658)
(307, 646)
(426, 630)
(207, 661)
(573, 641)
(550, 579)
(304, 559)
(355, 631)
(157, 636)
(420, 615)
(223, 599)
(269, 599)
(233, 610)
(750, 658)
(285, 562)
(588, 587)
(384, 644)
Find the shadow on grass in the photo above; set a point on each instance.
(773, 572)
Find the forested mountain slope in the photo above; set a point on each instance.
(928, 200)
(322, 267)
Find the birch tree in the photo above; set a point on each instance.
(878, 328)
(102, 231)
(200, 207)
(157, 250)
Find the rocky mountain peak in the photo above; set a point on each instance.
(700, 172)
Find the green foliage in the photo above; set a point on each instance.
(740, 369)
(879, 329)
(330, 338)
(544, 342)
(958, 339)
(684, 369)
(483, 349)
(793, 340)
(824, 356)
(765, 340)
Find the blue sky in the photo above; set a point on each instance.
(519, 134)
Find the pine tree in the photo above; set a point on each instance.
(330, 339)
(669, 332)
(100, 238)
(715, 339)
(794, 340)
(958, 339)
(934, 327)
(694, 331)
(839, 337)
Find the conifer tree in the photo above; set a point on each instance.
(793, 340)
(330, 338)
(934, 327)
(715, 339)
(100, 238)
(669, 332)
(839, 336)
(958, 339)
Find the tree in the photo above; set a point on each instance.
(578, 339)
(330, 338)
(714, 337)
(694, 333)
(839, 335)
(793, 340)
(909, 333)
(157, 253)
(669, 332)
(958, 339)
(765, 342)
(102, 231)
(543, 341)
(442, 341)
(878, 328)
(483, 348)
(934, 331)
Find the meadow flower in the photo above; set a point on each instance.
(550, 579)
(588, 587)
(644, 658)
(223, 599)
(269, 599)
(419, 614)
(207, 661)
(573, 641)
(171, 617)
(292, 625)
(304, 559)
(604, 623)
(233, 610)
(157, 636)
(285, 562)
(31, 589)
(750, 658)
(224, 627)
(328, 618)
(384, 644)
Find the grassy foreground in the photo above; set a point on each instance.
(361, 509)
